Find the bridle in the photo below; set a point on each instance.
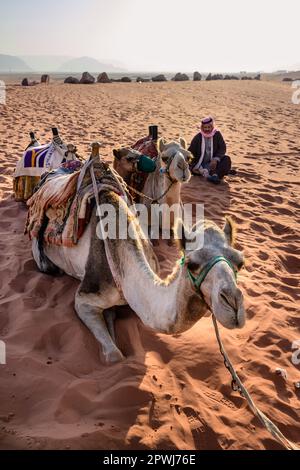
(166, 170)
(198, 280)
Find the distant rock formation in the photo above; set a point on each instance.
(87, 78)
(142, 80)
(287, 79)
(73, 80)
(258, 77)
(103, 78)
(26, 82)
(231, 77)
(126, 79)
(180, 77)
(246, 78)
(197, 77)
(159, 78)
(217, 76)
(45, 79)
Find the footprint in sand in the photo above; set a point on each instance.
(263, 255)
(197, 427)
(204, 437)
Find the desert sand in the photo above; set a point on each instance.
(171, 392)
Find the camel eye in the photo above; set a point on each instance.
(193, 266)
(240, 265)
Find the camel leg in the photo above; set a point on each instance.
(89, 311)
(110, 316)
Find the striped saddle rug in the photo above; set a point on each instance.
(36, 160)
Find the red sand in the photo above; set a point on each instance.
(170, 392)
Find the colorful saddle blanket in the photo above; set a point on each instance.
(65, 201)
(36, 160)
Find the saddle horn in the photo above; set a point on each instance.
(95, 150)
(55, 131)
(56, 137)
(33, 141)
(153, 132)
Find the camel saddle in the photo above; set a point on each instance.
(63, 203)
(146, 146)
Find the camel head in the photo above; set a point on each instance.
(125, 161)
(213, 267)
(71, 153)
(175, 159)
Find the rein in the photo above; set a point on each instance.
(153, 200)
(236, 383)
(148, 197)
(172, 181)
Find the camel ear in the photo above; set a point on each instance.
(229, 231)
(182, 142)
(117, 154)
(160, 145)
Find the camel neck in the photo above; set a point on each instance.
(157, 302)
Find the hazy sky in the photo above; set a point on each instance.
(176, 35)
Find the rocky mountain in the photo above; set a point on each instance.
(9, 63)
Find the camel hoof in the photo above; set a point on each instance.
(113, 356)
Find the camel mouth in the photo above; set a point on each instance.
(229, 315)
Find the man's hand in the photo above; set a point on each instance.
(213, 165)
(204, 172)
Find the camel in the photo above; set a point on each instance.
(172, 164)
(115, 271)
(163, 186)
(125, 160)
(171, 167)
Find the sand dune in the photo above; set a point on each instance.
(170, 392)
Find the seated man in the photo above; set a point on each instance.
(209, 149)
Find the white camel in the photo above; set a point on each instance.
(163, 186)
(124, 271)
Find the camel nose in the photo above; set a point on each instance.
(233, 302)
(228, 299)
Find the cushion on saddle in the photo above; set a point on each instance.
(66, 208)
(34, 161)
(147, 147)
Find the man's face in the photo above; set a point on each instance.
(207, 128)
